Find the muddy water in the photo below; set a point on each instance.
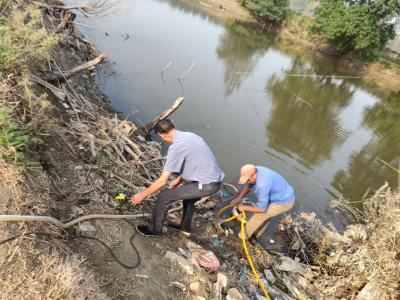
(252, 99)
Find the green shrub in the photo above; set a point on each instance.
(356, 25)
(270, 10)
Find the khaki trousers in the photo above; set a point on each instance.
(259, 221)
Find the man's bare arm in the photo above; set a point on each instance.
(249, 208)
(238, 198)
(174, 183)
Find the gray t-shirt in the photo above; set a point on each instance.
(192, 159)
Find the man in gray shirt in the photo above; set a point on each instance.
(190, 158)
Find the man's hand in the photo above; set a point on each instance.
(136, 199)
(174, 183)
(236, 201)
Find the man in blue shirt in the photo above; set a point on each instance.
(275, 196)
(193, 161)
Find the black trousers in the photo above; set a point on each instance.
(190, 193)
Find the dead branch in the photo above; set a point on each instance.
(57, 92)
(149, 126)
(68, 17)
(67, 74)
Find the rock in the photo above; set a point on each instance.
(77, 211)
(185, 265)
(192, 246)
(171, 255)
(220, 285)
(274, 292)
(99, 183)
(289, 265)
(270, 277)
(182, 262)
(234, 294)
(183, 252)
(143, 276)
(85, 228)
(208, 215)
(211, 204)
(222, 280)
(372, 291)
(178, 285)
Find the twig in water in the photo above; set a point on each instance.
(163, 70)
(298, 97)
(166, 67)
(301, 75)
(388, 165)
(188, 71)
(314, 75)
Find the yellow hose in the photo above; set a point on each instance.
(263, 288)
(246, 250)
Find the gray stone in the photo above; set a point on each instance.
(77, 211)
(234, 294)
(85, 228)
(289, 265)
(182, 262)
(192, 246)
(208, 215)
(270, 277)
(99, 183)
(171, 255)
(178, 285)
(185, 265)
(372, 291)
(183, 252)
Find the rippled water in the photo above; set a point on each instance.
(328, 136)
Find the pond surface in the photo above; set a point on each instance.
(252, 99)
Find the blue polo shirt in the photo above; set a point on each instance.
(270, 187)
(192, 159)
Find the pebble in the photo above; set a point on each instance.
(182, 262)
(234, 294)
(85, 228)
(270, 277)
(178, 285)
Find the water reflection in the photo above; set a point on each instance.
(304, 119)
(368, 169)
(240, 47)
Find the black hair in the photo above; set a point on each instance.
(164, 126)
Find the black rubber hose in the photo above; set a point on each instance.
(135, 265)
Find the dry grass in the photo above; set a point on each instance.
(33, 269)
(28, 273)
(371, 253)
